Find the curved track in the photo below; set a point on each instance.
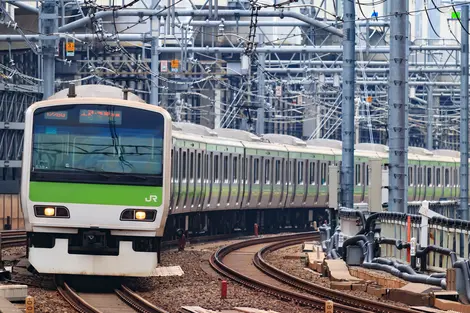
(244, 263)
(123, 300)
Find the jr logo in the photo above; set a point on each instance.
(151, 198)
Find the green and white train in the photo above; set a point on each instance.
(95, 177)
(102, 174)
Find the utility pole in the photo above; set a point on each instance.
(48, 25)
(154, 62)
(347, 106)
(430, 119)
(397, 106)
(261, 99)
(464, 116)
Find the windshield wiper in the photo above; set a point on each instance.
(88, 171)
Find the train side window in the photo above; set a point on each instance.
(191, 165)
(367, 175)
(206, 167)
(323, 173)
(357, 174)
(235, 169)
(446, 178)
(410, 176)
(312, 173)
(175, 166)
(183, 167)
(267, 172)
(438, 177)
(429, 176)
(420, 176)
(300, 172)
(456, 177)
(243, 170)
(216, 168)
(198, 166)
(226, 168)
(278, 172)
(256, 171)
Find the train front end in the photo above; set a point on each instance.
(93, 188)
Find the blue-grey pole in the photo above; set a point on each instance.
(155, 62)
(464, 116)
(48, 25)
(397, 106)
(407, 105)
(430, 112)
(347, 106)
(261, 98)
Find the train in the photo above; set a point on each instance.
(95, 177)
(104, 179)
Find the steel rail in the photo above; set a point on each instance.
(317, 290)
(137, 302)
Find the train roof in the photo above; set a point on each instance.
(195, 129)
(330, 143)
(284, 139)
(96, 91)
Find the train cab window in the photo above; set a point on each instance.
(198, 167)
(300, 172)
(267, 172)
(216, 168)
(278, 172)
(323, 173)
(312, 173)
(183, 167)
(235, 169)
(357, 174)
(438, 177)
(429, 176)
(191, 165)
(446, 178)
(226, 168)
(256, 171)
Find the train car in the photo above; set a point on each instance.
(95, 182)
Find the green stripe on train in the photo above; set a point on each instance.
(94, 194)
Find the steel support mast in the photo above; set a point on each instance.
(48, 25)
(397, 106)
(464, 116)
(347, 127)
(154, 62)
(261, 98)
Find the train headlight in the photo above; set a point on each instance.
(137, 215)
(140, 215)
(49, 211)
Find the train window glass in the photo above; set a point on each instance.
(456, 177)
(175, 166)
(267, 172)
(438, 177)
(191, 165)
(429, 176)
(300, 172)
(256, 171)
(367, 175)
(446, 178)
(420, 176)
(243, 170)
(183, 166)
(216, 168)
(278, 172)
(312, 173)
(357, 173)
(323, 173)
(235, 169)
(410, 176)
(225, 168)
(198, 166)
(206, 167)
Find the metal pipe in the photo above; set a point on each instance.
(397, 103)
(347, 106)
(359, 70)
(464, 117)
(20, 4)
(154, 64)
(104, 14)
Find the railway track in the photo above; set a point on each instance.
(244, 263)
(13, 238)
(122, 300)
